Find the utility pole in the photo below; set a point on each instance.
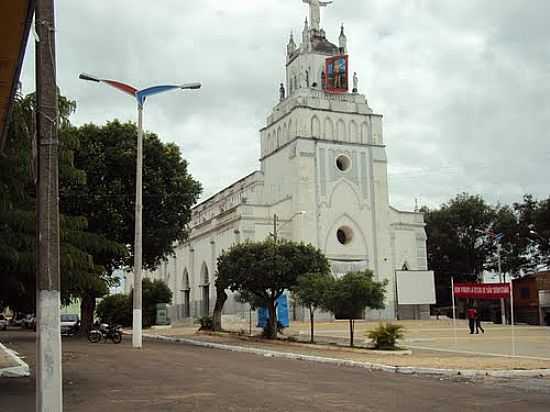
(49, 395)
(502, 306)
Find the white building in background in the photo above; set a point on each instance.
(323, 172)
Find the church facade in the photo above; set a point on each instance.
(322, 180)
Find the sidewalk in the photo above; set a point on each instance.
(11, 365)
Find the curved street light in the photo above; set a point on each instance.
(276, 225)
(140, 96)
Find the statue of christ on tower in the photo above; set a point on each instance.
(315, 12)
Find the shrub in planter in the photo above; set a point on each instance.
(385, 335)
(206, 322)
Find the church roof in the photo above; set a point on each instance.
(319, 43)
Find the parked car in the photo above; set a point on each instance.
(29, 321)
(17, 320)
(69, 323)
(3, 322)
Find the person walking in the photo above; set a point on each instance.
(472, 315)
(478, 324)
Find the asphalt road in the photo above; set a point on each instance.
(167, 377)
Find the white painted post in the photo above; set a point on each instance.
(454, 307)
(512, 318)
(137, 312)
(502, 280)
(49, 386)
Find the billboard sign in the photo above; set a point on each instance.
(336, 74)
(487, 291)
(415, 287)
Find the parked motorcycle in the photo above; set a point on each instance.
(105, 332)
(70, 330)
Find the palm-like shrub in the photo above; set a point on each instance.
(385, 335)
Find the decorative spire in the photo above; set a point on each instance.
(343, 41)
(305, 36)
(291, 47)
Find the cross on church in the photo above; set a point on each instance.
(315, 12)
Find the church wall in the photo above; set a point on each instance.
(323, 154)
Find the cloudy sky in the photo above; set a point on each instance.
(464, 86)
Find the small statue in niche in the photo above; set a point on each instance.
(355, 83)
(282, 92)
(307, 78)
(323, 80)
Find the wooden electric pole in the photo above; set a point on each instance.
(49, 395)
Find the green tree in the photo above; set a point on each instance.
(107, 155)
(264, 270)
(352, 294)
(541, 229)
(456, 243)
(115, 309)
(312, 291)
(79, 270)
(153, 293)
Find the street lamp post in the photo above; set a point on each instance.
(140, 96)
(542, 240)
(275, 238)
(497, 237)
(276, 225)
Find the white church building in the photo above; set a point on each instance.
(322, 178)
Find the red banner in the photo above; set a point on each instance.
(482, 290)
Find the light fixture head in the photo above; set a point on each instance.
(192, 86)
(89, 77)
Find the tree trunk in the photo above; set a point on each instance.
(221, 297)
(272, 322)
(311, 321)
(87, 308)
(351, 325)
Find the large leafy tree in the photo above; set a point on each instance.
(79, 270)
(534, 219)
(350, 295)
(97, 187)
(107, 155)
(264, 270)
(462, 239)
(457, 245)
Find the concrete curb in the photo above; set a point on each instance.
(468, 373)
(20, 371)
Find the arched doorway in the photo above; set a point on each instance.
(186, 291)
(205, 290)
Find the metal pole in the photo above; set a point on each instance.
(49, 390)
(137, 313)
(454, 306)
(275, 228)
(512, 317)
(396, 299)
(502, 306)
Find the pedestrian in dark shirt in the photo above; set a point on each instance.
(478, 324)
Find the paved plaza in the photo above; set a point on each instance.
(434, 344)
(168, 377)
(523, 341)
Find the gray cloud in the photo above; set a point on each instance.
(463, 85)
